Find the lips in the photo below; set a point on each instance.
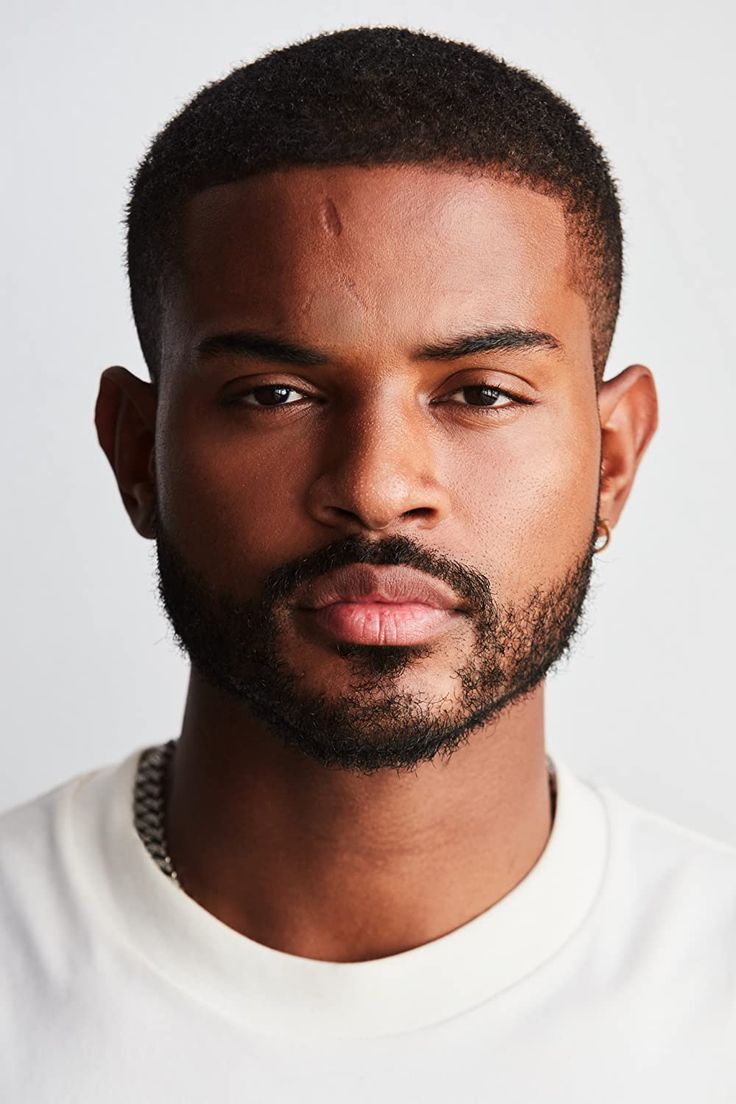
(371, 604)
(373, 583)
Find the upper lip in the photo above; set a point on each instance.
(377, 583)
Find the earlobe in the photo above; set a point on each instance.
(628, 414)
(125, 417)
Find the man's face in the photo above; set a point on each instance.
(274, 468)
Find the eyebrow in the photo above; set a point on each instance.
(488, 341)
(251, 344)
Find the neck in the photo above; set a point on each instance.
(332, 865)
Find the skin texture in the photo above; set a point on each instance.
(368, 266)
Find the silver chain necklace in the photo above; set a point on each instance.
(149, 802)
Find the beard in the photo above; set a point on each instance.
(235, 646)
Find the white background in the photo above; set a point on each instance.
(89, 668)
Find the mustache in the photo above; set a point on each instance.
(397, 551)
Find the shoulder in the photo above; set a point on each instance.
(38, 917)
(645, 841)
(40, 854)
(673, 890)
(31, 827)
(29, 831)
(34, 855)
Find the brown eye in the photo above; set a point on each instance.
(483, 395)
(271, 394)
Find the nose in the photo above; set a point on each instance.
(381, 468)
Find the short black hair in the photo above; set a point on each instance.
(374, 96)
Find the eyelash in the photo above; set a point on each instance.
(515, 400)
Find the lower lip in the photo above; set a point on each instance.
(383, 622)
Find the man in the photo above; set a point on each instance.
(375, 278)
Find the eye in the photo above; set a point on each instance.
(479, 396)
(267, 395)
(482, 395)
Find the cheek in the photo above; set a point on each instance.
(232, 507)
(532, 505)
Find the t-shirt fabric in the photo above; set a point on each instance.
(608, 974)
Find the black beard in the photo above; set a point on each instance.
(234, 646)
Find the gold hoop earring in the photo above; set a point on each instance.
(606, 532)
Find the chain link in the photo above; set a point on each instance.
(150, 805)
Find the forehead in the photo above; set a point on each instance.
(345, 254)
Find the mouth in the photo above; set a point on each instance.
(378, 604)
(379, 622)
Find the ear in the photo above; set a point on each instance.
(628, 412)
(125, 416)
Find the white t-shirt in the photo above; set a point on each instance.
(607, 975)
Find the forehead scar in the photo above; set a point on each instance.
(330, 218)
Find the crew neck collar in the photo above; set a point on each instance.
(278, 993)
